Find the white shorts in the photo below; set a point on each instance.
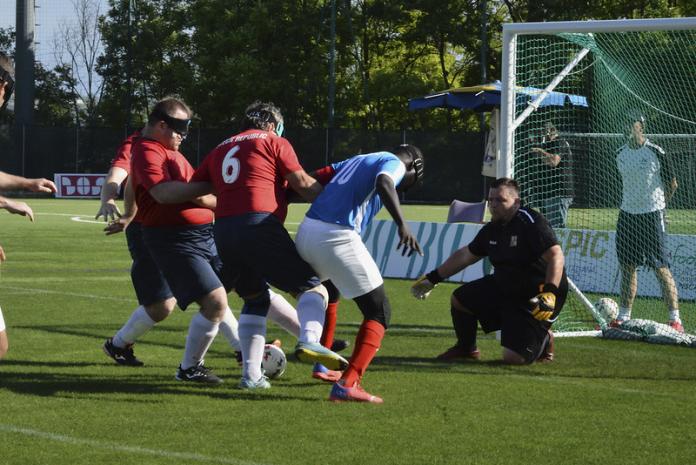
(338, 253)
(2, 322)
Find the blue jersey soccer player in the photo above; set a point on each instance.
(329, 240)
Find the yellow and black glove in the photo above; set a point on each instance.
(543, 304)
(425, 284)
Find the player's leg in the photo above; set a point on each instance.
(522, 336)
(252, 334)
(4, 343)
(658, 258)
(376, 316)
(471, 303)
(282, 313)
(154, 295)
(629, 254)
(184, 256)
(284, 268)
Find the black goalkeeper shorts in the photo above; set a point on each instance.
(519, 330)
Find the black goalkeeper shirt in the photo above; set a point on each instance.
(515, 250)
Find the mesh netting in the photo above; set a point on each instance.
(616, 177)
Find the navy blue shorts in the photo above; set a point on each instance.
(497, 310)
(256, 249)
(148, 281)
(188, 259)
(641, 239)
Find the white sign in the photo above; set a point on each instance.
(78, 185)
(590, 256)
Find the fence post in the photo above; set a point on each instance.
(24, 149)
(77, 148)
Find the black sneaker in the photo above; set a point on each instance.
(197, 374)
(121, 356)
(238, 357)
(339, 345)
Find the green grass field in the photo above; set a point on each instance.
(65, 287)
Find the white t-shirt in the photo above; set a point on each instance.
(643, 191)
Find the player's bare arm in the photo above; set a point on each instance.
(549, 158)
(387, 193)
(207, 201)
(555, 261)
(10, 181)
(130, 208)
(179, 191)
(305, 185)
(17, 208)
(109, 193)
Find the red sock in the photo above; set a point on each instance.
(367, 342)
(327, 336)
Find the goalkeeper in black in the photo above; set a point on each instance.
(525, 293)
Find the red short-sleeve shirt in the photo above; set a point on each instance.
(248, 173)
(151, 165)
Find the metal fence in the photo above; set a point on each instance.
(453, 159)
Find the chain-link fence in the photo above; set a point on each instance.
(453, 159)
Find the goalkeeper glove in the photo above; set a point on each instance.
(425, 284)
(543, 304)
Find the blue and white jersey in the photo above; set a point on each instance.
(350, 198)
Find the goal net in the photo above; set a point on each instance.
(613, 161)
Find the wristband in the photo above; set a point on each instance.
(434, 277)
(550, 287)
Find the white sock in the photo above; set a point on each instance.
(282, 313)
(138, 324)
(252, 335)
(230, 329)
(2, 322)
(311, 309)
(624, 314)
(201, 333)
(674, 315)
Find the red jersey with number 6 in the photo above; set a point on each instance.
(248, 173)
(153, 164)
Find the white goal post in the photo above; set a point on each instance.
(620, 67)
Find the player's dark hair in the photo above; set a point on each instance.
(506, 182)
(167, 107)
(636, 115)
(412, 158)
(259, 115)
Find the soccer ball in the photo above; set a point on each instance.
(274, 361)
(608, 308)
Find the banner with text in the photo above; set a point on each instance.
(590, 256)
(78, 185)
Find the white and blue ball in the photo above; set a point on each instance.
(274, 361)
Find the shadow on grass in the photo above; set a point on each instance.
(70, 385)
(497, 368)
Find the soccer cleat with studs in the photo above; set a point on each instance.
(122, 356)
(322, 373)
(313, 352)
(457, 353)
(197, 374)
(341, 393)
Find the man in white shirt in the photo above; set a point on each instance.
(648, 184)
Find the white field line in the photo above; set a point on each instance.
(80, 218)
(185, 456)
(71, 294)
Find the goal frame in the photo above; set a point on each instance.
(508, 110)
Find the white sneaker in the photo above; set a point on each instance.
(250, 385)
